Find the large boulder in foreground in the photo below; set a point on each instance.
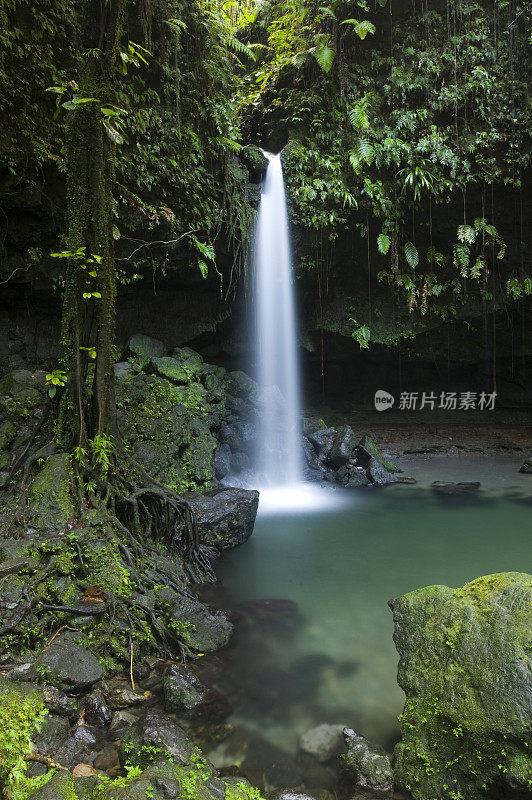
(465, 665)
(225, 517)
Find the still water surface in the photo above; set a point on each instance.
(323, 652)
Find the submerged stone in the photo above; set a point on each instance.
(465, 665)
(370, 766)
(526, 466)
(323, 741)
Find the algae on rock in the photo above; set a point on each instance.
(465, 665)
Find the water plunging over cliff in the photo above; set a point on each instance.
(279, 461)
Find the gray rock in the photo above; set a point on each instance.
(159, 731)
(241, 436)
(323, 742)
(202, 631)
(225, 517)
(288, 794)
(239, 462)
(57, 702)
(70, 666)
(379, 474)
(310, 425)
(24, 672)
(97, 712)
(323, 440)
(343, 446)
(370, 766)
(356, 477)
(526, 467)
(122, 696)
(182, 690)
(368, 449)
(122, 721)
(80, 748)
(144, 348)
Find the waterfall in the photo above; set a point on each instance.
(279, 461)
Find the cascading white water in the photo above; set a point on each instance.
(279, 460)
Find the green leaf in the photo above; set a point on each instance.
(411, 254)
(466, 234)
(112, 133)
(383, 243)
(324, 55)
(203, 268)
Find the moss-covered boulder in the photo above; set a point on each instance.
(465, 665)
(168, 428)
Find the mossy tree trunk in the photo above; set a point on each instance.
(88, 322)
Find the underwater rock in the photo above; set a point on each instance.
(122, 721)
(465, 665)
(455, 489)
(225, 517)
(288, 794)
(323, 741)
(200, 630)
(69, 666)
(526, 467)
(369, 764)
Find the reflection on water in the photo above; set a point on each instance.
(309, 593)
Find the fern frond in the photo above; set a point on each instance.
(411, 254)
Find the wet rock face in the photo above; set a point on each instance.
(96, 710)
(225, 517)
(527, 466)
(369, 765)
(465, 665)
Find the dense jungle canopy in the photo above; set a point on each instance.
(127, 152)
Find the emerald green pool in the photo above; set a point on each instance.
(327, 655)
